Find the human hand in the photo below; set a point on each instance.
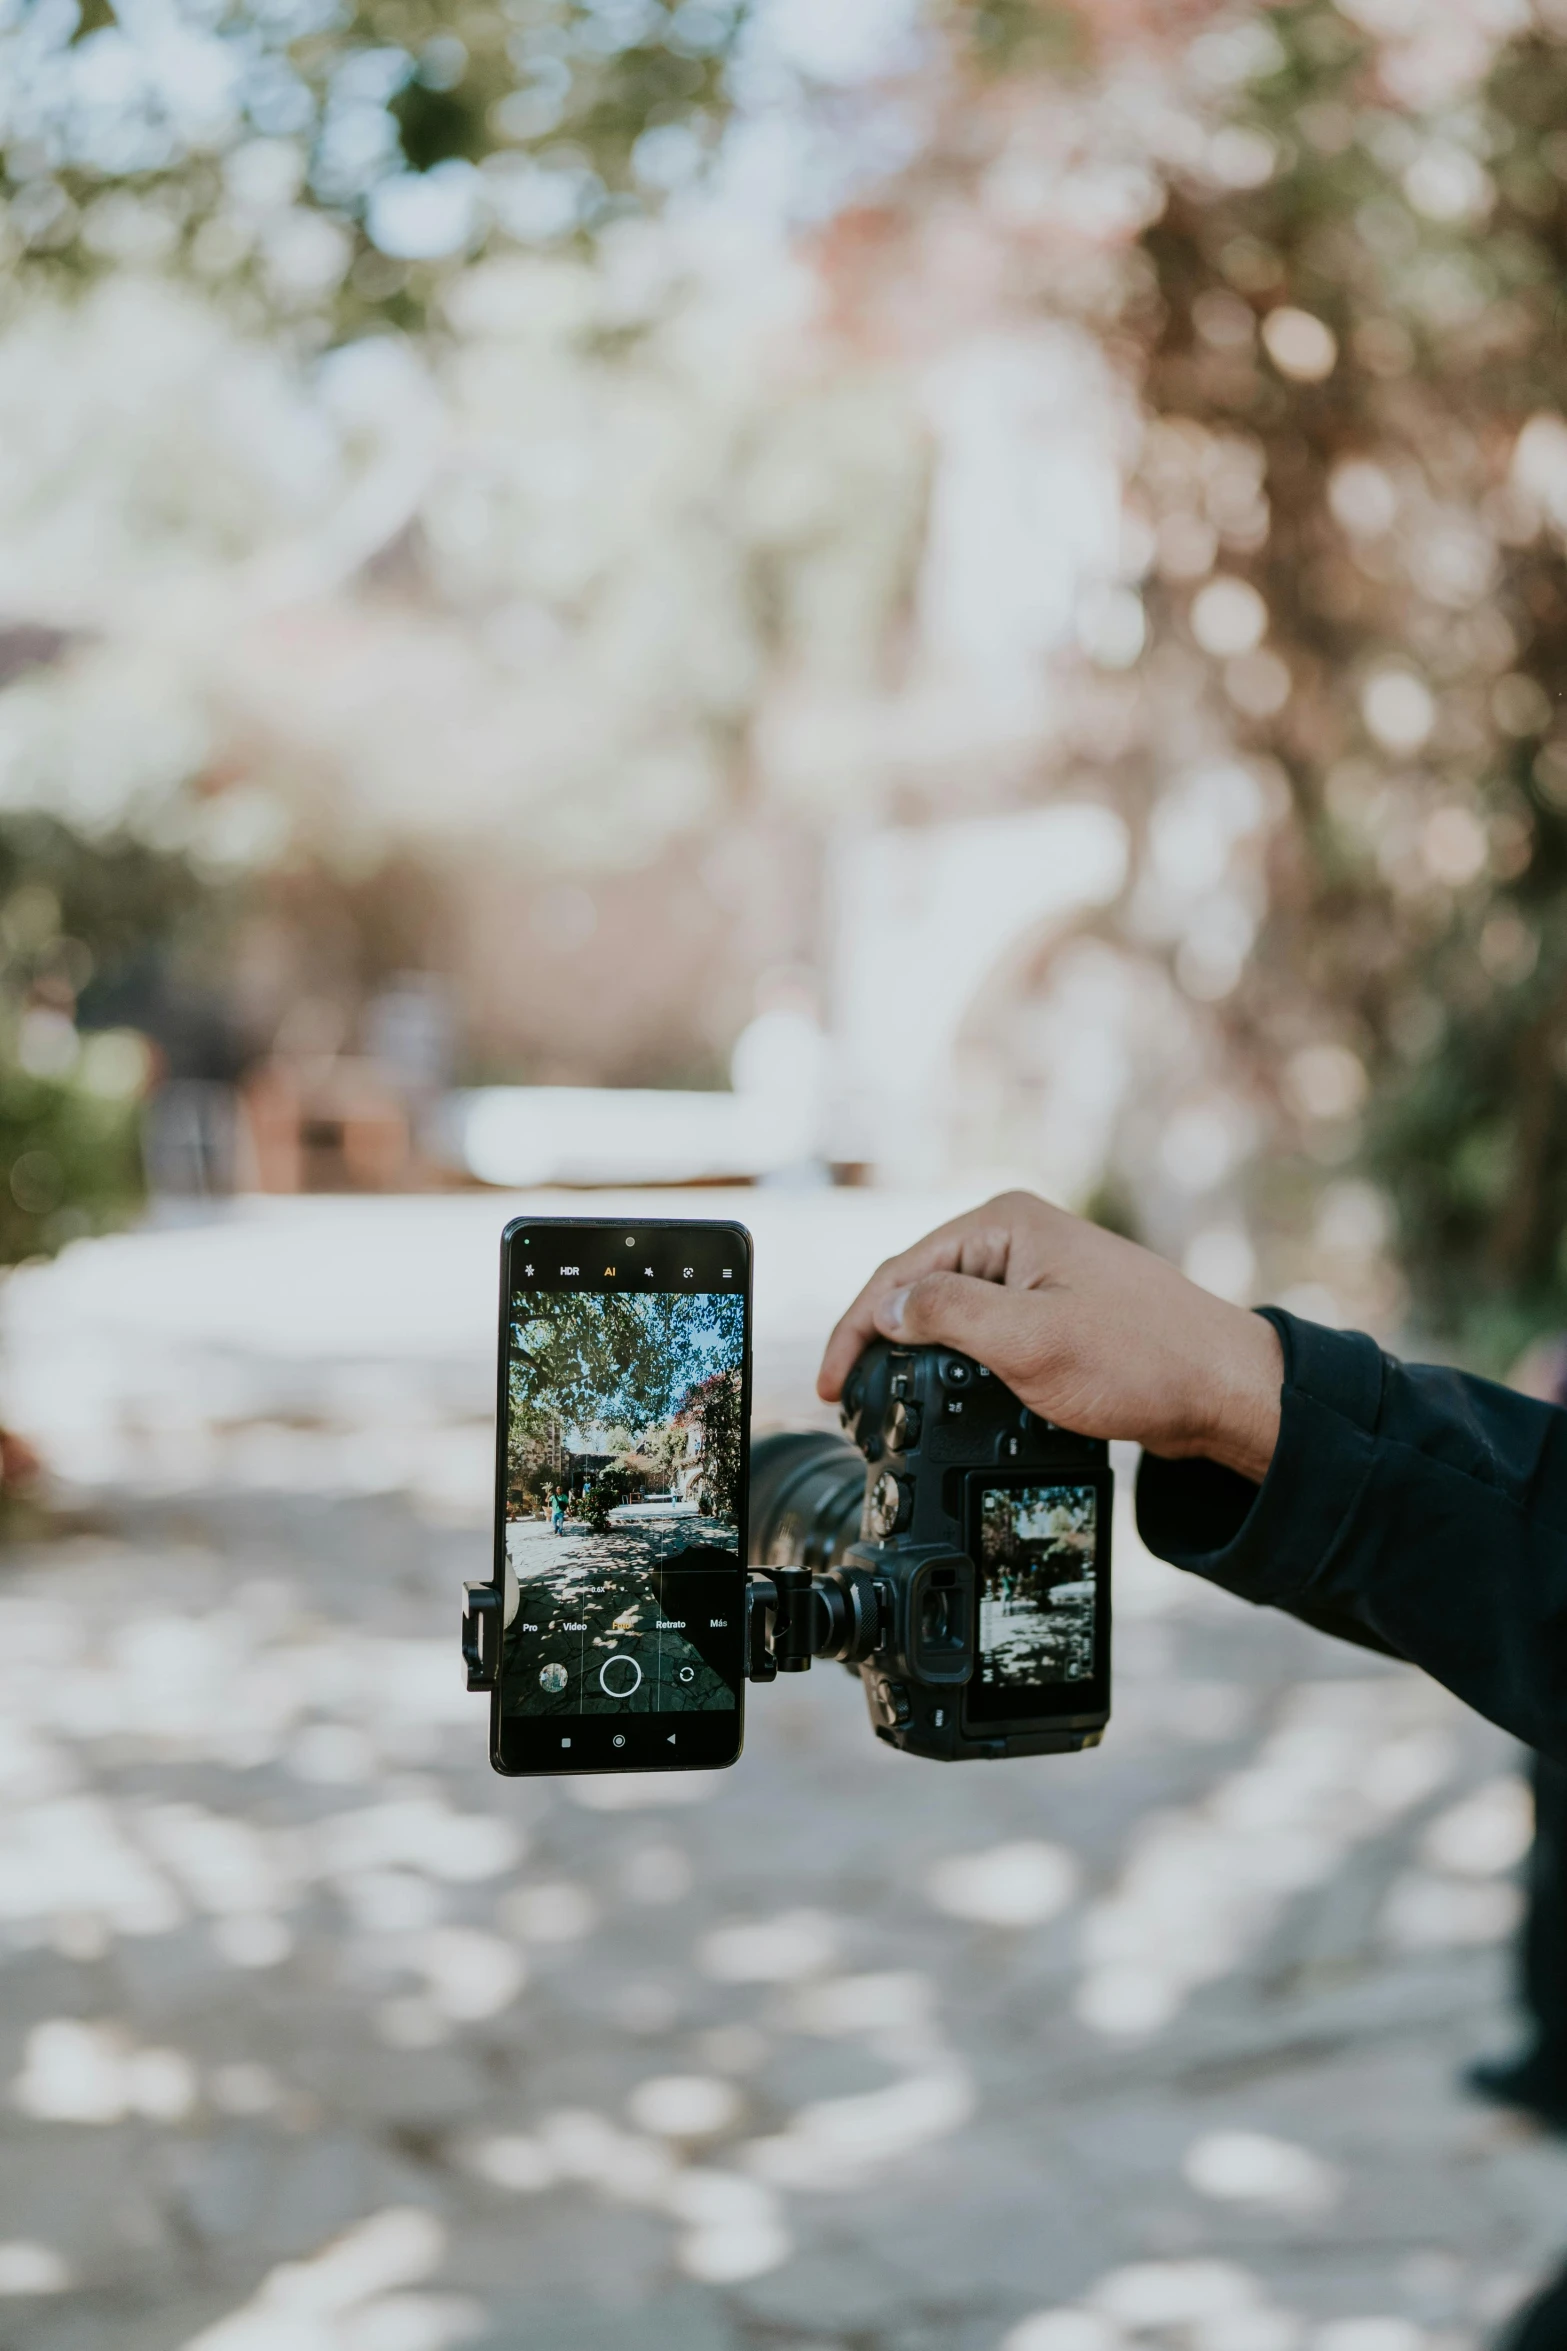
(1089, 1330)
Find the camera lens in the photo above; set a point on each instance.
(806, 1497)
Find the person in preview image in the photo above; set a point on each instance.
(635, 1403)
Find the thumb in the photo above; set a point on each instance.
(1010, 1331)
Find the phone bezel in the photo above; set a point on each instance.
(518, 1742)
(1064, 1705)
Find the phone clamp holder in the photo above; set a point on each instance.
(481, 1635)
(780, 1622)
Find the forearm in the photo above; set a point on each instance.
(1236, 1391)
(1422, 1509)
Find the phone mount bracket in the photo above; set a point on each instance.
(481, 1635)
(780, 1616)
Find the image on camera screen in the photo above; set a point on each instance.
(1037, 1585)
(624, 1461)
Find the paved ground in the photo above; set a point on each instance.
(315, 2036)
(558, 1575)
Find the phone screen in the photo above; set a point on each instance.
(621, 1517)
(1041, 1553)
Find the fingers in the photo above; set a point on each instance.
(979, 1245)
(1011, 1331)
(854, 1332)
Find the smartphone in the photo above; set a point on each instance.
(622, 1461)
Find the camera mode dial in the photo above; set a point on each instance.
(890, 1506)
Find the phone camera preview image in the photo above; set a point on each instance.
(1037, 1559)
(621, 1497)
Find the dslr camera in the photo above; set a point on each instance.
(952, 1550)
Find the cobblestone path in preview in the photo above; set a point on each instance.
(316, 2036)
(610, 1578)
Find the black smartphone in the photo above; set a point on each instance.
(620, 1509)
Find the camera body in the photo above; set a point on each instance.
(972, 1595)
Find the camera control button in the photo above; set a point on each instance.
(956, 1372)
(892, 1704)
(891, 1506)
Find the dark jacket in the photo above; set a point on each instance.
(1413, 1509)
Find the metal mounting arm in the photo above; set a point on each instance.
(780, 1622)
(792, 1615)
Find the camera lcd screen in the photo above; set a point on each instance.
(1036, 1552)
(623, 1473)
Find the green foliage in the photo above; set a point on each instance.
(610, 1488)
(581, 1360)
(1011, 36)
(529, 1477)
(537, 107)
(93, 907)
(1419, 903)
(716, 1406)
(665, 1448)
(78, 921)
(70, 1163)
(597, 1357)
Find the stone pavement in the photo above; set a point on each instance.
(316, 2036)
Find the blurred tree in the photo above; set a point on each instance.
(320, 170)
(1354, 497)
(336, 163)
(77, 921)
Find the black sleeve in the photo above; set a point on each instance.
(1408, 1507)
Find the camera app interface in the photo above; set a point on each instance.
(625, 1452)
(1038, 1590)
